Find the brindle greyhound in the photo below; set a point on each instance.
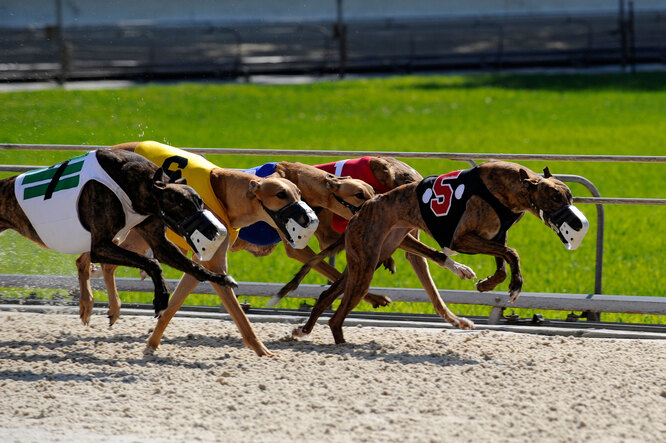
(490, 207)
(247, 199)
(143, 202)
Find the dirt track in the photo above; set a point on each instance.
(60, 381)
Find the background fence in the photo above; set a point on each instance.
(592, 304)
(73, 42)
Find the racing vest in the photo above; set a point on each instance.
(260, 233)
(358, 168)
(443, 201)
(49, 198)
(177, 163)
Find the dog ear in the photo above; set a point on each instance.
(525, 178)
(253, 187)
(332, 182)
(160, 179)
(546, 172)
(180, 181)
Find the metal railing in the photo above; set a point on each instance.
(496, 300)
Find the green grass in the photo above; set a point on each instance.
(543, 114)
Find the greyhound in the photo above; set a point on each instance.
(465, 211)
(238, 199)
(85, 203)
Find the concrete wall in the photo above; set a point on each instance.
(40, 12)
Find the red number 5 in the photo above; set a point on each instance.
(441, 203)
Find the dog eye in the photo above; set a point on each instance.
(281, 195)
(360, 195)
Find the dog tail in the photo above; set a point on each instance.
(333, 249)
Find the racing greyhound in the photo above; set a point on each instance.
(466, 211)
(85, 203)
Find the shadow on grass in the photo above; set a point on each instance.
(649, 81)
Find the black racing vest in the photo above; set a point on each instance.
(443, 200)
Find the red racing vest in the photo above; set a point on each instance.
(358, 168)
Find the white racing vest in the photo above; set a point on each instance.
(50, 196)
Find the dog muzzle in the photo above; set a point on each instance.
(297, 221)
(202, 231)
(568, 223)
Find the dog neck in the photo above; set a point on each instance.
(507, 188)
(231, 188)
(310, 181)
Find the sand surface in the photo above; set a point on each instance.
(60, 381)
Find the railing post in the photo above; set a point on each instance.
(340, 32)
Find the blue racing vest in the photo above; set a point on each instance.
(260, 233)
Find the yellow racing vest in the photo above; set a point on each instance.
(196, 170)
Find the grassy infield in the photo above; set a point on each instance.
(543, 114)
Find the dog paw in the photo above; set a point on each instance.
(149, 350)
(298, 332)
(463, 323)
(513, 295)
(113, 318)
(95, 271)
(485, 285)
(464, 271)
(225, 280)
(377, 300)
(389, 264)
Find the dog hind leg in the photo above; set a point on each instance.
(420, 267)
(357, 283)
(86, 299)
(324, 301)
(328, 271)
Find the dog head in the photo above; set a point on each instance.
(182, 210)
(349, 193)
(551, 200)
(392, 172)
(281, 200)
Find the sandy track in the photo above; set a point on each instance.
(60, 381)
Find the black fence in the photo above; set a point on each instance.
(212, 50)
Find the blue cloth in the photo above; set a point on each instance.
(260, 233)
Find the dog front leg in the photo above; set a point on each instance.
(471, 243)
(414, 246)
(420, 267)
(111, 254)
(185, 286)
(243, 324)
(489, 283)
(169, 254)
